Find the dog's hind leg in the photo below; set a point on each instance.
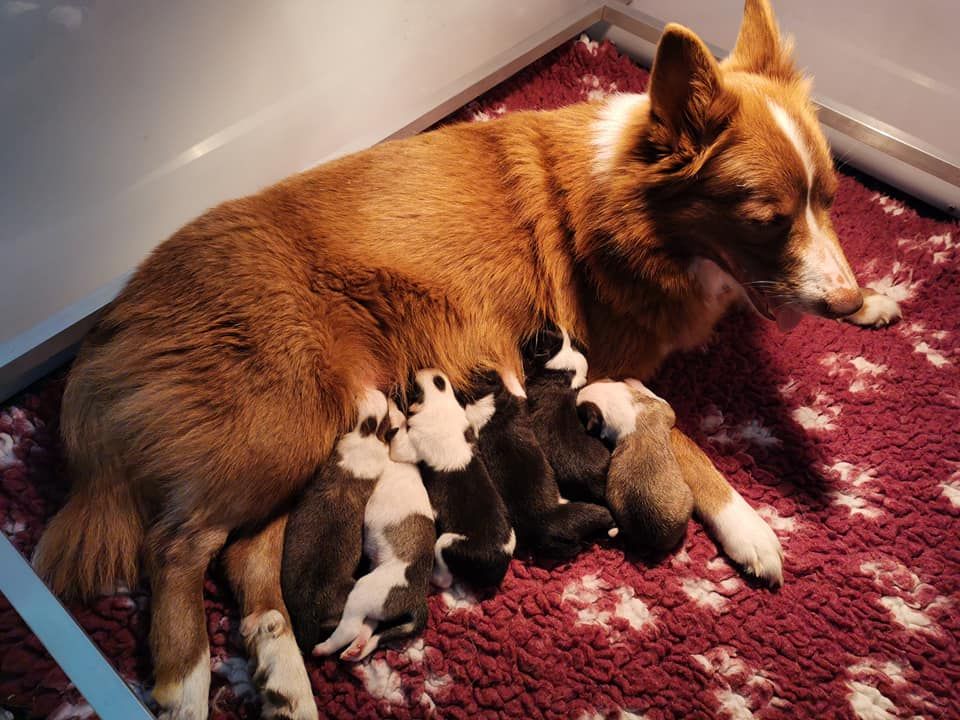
(740, 531)
(253, 568)
(177, 557)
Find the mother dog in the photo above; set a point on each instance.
(222, 375)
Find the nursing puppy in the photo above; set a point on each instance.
(630, 222)
(545, 523)
(398, 539)
(555, 369)
(645, 488)
(323, 541)
(475, 540)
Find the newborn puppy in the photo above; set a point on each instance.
(645, 488)
(555, 370)
(475, 540)
(544, 522)
(324, 534)
(399, 541)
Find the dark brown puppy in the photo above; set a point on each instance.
(323, 542)
(645, 486)
(545, 523)
(556, 368)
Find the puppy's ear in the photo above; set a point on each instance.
(541, 347)
(591, 417)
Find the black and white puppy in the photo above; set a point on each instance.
(555, 370)
(545, 523)
(475, 540)
(323, 540)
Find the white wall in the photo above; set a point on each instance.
(896, 61)
(123, 119)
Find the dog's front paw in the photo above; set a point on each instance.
(877, 311)
(748, 540)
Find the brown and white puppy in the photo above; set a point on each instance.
(645, 489)
(475, 540)
(323, 543)
(398, 539)
(652, 472)
(265, 318)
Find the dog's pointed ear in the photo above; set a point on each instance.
(686, 90)
(759, 48)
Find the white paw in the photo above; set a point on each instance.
(748, 540)
(877, 311)
(442, 577)
(280, 675)
(189, 698)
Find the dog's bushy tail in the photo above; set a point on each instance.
(93, 544)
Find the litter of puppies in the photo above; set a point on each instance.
(452, 485)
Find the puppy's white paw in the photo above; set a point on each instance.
(877, 311)
(442, 578)
(280, 675)
(748, 540)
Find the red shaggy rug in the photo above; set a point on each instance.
(847, 441)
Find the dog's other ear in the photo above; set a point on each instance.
(591, 417)
(687, 99)
(759, 48)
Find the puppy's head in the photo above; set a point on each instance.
(363, 450)
(731, 166)
(553, 350)
(437, 424)
(612, 410)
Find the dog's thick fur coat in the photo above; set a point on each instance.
(266, 317)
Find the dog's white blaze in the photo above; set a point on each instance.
(569, 359)
(825, 267)
(608, 128)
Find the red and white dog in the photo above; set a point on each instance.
(224, 372)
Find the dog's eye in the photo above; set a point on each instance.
(769, 223)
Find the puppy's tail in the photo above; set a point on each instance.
(93, 544)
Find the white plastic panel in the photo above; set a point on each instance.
(892, 60)
(122, 120)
